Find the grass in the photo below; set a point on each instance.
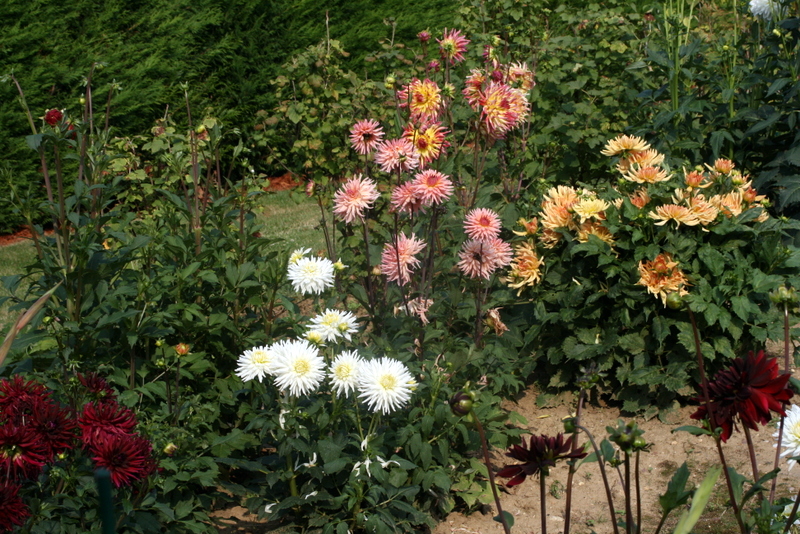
(295, 218)
(13, 259)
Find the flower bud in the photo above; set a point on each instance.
(570, 425)
(424, 36)
(182, 349)
(674, 301)
(170, 449)
(461, 404)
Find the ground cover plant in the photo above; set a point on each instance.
(481, 227)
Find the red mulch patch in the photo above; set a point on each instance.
(282, 183)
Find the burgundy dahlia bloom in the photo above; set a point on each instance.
(128, 457)
(22, 453)
(101, 420)
(13, 511)
(749, 389)
(55, 425)
(53, 116)
(17, 398)
(538, 457)
(97, 387)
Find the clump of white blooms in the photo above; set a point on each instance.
(311, 275)
(385, 385)
(297, 366)
(254, 363)
(791, 434)
(344, 372)
(331, 325)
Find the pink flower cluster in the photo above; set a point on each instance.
(484, 252)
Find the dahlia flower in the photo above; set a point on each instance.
(297, 367)
(366, 135)
(311, 275)
(790, 441)
(355, 197)
(397, 155)
(398, 258)
(333, 324)
(128, 458)
(452, 46)
(482, 223)
(254, 363)
(344, 372)
(432, 187)
(385, 385)
(538, 456)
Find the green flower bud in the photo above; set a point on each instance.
(461, 404)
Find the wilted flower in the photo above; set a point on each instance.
(538, 457)
(366, 135)
(482, 223)
(748, 390)
(311, 275)
(790, 440)
(333, 324)
(418, 306)
(397, 155)
(297, 366)
(530, 226)
(453, 45)
(494, 321)
(397, 259)
(385, 385)
(520, 76)
(526, 267)
(344, 372)
(356, 196)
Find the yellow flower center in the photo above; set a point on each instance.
(301, 367)
(388, 382)
(344, 371)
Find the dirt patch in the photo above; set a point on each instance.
(590, 509)
(284, 182)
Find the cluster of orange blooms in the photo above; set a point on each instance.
(581, 213)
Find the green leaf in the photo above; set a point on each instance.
(507, 516)
(693, 430)
(699, 501)
(676, 494)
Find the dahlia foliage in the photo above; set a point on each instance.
(39, 433)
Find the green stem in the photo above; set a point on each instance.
(488, 462)
(543, 501)
(601, 462)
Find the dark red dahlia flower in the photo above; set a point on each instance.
(53, 116)
(17, 397)
(55, 425)
(22, 453)
(13, 511)
(127, 457)
(97, 387)
(539, 456)
(749, 389)
(103, 419)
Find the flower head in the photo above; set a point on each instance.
(333, 324)
(406, 198)
(355, 197)
(128, 457)
(662, 276)
(673, 212)
(526, 267)
(764, 9)
(19, 396)
(297, 367)
(311, 275)
(366, 135)
(55, 425)
(100, 420)
(452, 46)
(481, 258)
(432, 187)
(748, 390)
(649, 174)
(624, 145)
(482, 223)
(538, 457)
(790, 441)
(385, 385)
(422, 97)
(428, 140)
(503, 108)
(298, 254)
(53, 116)
(344, 372)
(399, 257)
(254, 363)
(397, 155)
(22, 452)
(97, 387)
(13, 512)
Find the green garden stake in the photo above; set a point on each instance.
(103, 479)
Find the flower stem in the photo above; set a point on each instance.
(543, 502)
(628, 513)
(793, 513)
(572, 468)
(601, 461)
(752, 452)
(638, 496)
(786, 369)
(488, 462)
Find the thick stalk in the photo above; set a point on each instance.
(638, 496)
(628, 513)
(751, 450)
(543, 501)
(601, 462)
(786, 369)
(571, 475)
(488, 462)
(793, 513)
